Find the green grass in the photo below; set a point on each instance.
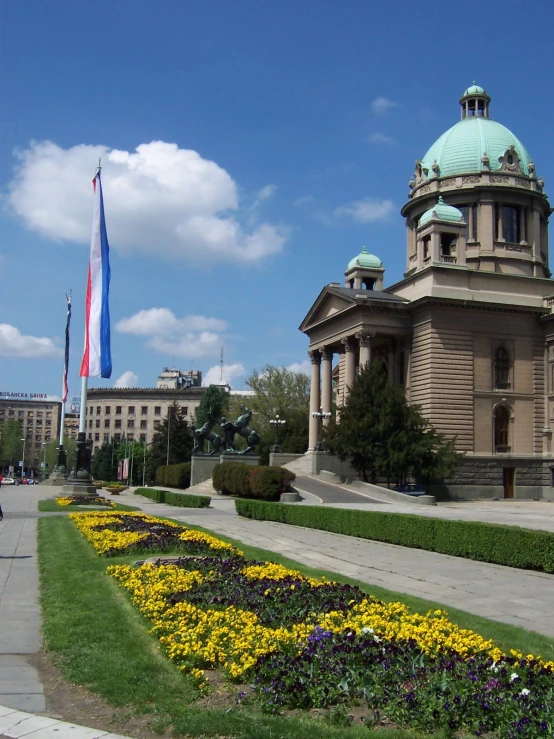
(102, 643)
(51, 506)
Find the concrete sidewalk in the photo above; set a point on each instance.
(518, 597)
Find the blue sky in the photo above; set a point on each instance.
(250, 149)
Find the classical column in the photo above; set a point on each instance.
(315, 356)
(435, 246)
(499, 223)
(486, 226)
(326, 381)
(365, 348)
(350, 365)
(522, 223)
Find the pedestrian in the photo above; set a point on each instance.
(1, 513)
(0, 479)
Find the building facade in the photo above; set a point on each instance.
(136, 413)
(40, 424)
(469, 331)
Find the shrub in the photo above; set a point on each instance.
(153, 493)
(267, 483)
(511, 546)
(224, 476)
(174, 475)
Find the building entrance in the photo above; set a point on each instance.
(509, 474)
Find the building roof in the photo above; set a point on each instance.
(441, 212)
(475, 90)
(352, 292)
(460, 149)
(365, 259)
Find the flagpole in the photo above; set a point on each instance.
(83, 409)
(64, 381)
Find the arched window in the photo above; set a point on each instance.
(501, 369)
(502, 429)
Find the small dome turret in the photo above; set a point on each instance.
(441, 212)
(365, 259)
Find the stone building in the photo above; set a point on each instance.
(39, 419)
(136, 413)
(469, 331)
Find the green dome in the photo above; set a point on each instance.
(365, 259)
(460, 149)
(441, 212)
(475, 90)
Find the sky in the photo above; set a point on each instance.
(249, 150)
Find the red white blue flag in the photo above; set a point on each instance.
(66, 358)
(97, 358)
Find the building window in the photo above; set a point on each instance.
(97, 423)
(48, 414)
(39, 414)
(117, 437)
(501, 369)
(130, 424)
(98, 410)
(143, 424)
(107, 409)
(107, 423)
(144, 410)
(11, 413)
(143, 437)
(118, 423)
(20, 414)
(90, 437)
(38, 437)
(90, 424)
(48, 423)
(131, 410)
(130, 437)
(157, 424)
(185, 409)
(502, 429)
(96, 437)
(39, 421)
(106, 438)
(157, 410)
(118, 410)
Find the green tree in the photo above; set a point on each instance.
(280, 391)
(381, 435)
(11, 444)
(215, 400)
(174, 434)
(51, 455)
(104, 463)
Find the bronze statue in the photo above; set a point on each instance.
(204, 434)
(240, 427)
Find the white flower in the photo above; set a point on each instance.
(493, 667)
(525, 691)
(514, 676)
(368, 630)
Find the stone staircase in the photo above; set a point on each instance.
(301, 466)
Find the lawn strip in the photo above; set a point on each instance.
(101, 643)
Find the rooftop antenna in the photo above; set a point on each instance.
(221, 364)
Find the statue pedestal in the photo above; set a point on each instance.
(56, 478)
(201, 468)
(251, 459)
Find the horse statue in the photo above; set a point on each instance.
(204, 434)
(243, 429)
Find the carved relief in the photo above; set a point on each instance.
(471, 180)
(450, 182)
(315, 356)
(424, 189)
(509, 161)
(500, 179)
(513, 247)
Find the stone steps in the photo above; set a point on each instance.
(301, 466)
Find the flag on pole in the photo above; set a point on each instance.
(97, 359)
(66, 359)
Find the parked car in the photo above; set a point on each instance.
(8, 481)
(411, 489)
(31, 481)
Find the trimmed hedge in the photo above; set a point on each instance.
(176, 499)
(238, 478)
(511, 546)
(154, 494)
(174, 475)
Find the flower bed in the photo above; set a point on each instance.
(114, 534)
(84, 500)
(304, 643)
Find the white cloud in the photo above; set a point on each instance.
(230, 372)
(304, 367)
(264, 194)
(380, 138)
(160, 200)
(14, 344)
(191, 337)
(381, 105)
(366, 210)
(305, 200)
(127, 379)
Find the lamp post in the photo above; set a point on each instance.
(276, 423)
(23, 460)
(320, 415)
(44, 445)
(144, 463)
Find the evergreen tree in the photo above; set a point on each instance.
(104, 463)
(174, 434)
(383, 436)
(11, 444)
(215, 400)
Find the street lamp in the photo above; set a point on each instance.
(277, 423)
(144, 462)
(23, 460)
(320, 415)
(44, 445)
